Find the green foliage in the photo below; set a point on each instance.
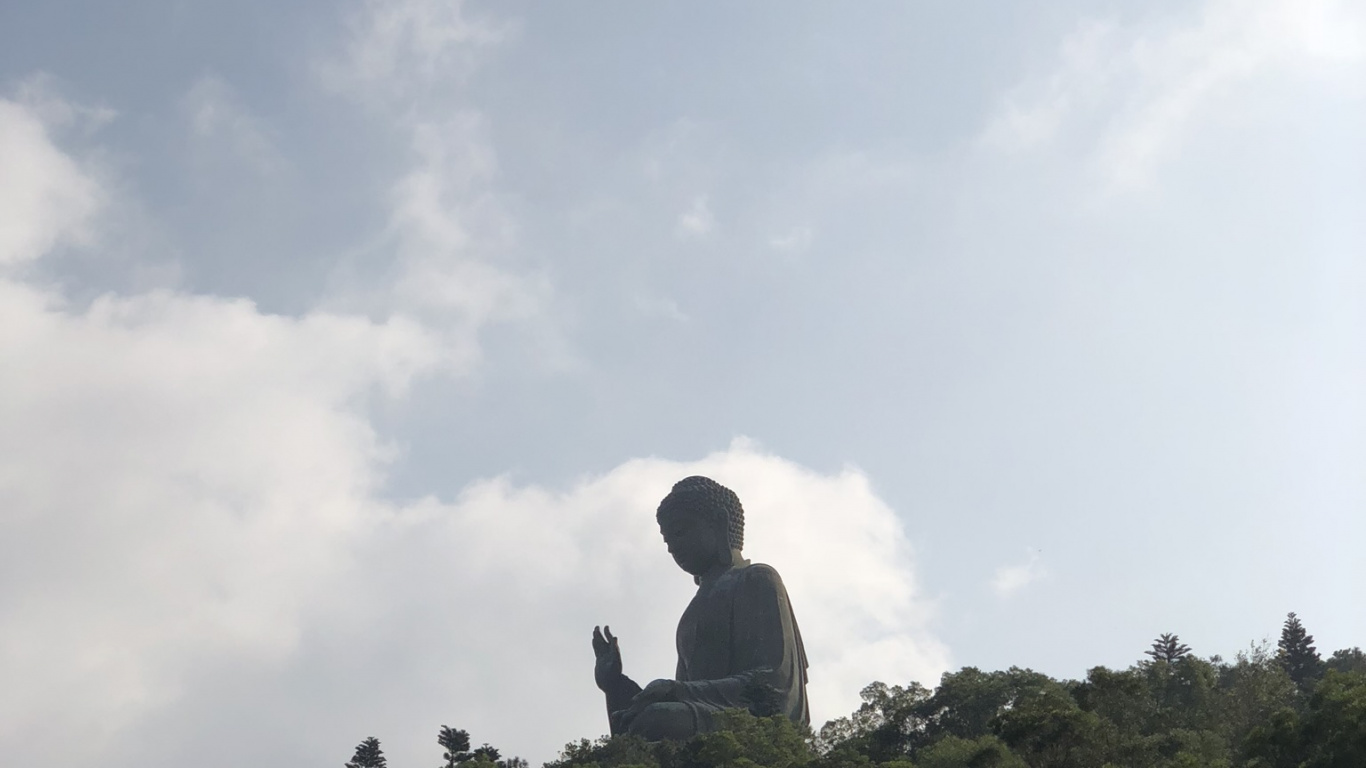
(884, 727)
(1297, 653)
(1347, 660)
(368, 755)
(740, 741)
(1168, 648)
(457, 744)
(1047, 728)
(1252, 690)
(1171, 710)
(981, 752)
(1329, 733)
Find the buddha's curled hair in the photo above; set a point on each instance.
(704, 494)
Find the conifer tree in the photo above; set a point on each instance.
(1296, 652)
(457, 744)
(368, 755)
(1169, 648)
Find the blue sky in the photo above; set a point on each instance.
(348, 348)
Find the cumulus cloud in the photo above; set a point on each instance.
(1128, 93)
(195, 546)
(478, 610)
(1011, 579)
(178, 473)
(48, 201)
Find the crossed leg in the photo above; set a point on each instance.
(664, 720)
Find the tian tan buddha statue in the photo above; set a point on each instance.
(738, 643)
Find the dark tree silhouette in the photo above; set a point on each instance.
(1296, 652)
(488, 752)
(457, 744)
(368, 755)
(1168, 647)
(1347, 660)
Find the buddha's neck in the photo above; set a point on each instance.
(721, 566)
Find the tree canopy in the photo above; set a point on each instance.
(1171, 710)
(1281, 708)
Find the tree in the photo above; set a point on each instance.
(982, 752)
(1329, 733)
(368, 755)
(1334, 729)
(884, 727)
(1251, 691)
(457, 744)
(1169, 648)
(1297, 654)
(1347, 660)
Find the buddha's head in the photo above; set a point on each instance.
(703, 525)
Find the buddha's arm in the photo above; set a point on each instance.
(619, 694)
(619, 688)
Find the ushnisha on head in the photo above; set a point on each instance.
(703, 525)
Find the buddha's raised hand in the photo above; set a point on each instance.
(608, 669)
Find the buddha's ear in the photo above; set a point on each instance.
(730, 556)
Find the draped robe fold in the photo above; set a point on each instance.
(738, 647)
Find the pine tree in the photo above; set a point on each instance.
(368, 755)
(1168, 648)
(1296, 652)
(457, 744)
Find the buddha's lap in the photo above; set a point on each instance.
(664, 720)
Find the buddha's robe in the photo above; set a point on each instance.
(738, 648)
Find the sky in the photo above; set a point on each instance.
(347, 348)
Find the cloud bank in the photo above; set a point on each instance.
(197, 547)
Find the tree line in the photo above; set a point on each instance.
(1286, 707)
(456, 743)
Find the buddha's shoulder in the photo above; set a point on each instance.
(758, 572)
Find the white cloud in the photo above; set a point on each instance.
(443, 220)
(1010, 579)
(195, 547)
(491, 598)
(218, 118)
(1138, 88)
(447, 226)
(46, 199)
(398, 48)
(697, 221)
(179, 474)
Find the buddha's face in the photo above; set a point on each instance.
(694, 540)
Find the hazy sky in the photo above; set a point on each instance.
(346, 349)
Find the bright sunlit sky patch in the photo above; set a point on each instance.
(346, 348)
